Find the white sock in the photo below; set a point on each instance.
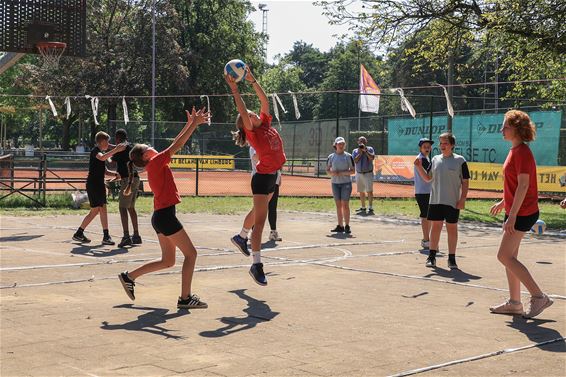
(244, 233)
(257, 256)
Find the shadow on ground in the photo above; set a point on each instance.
(95, 251)
(148, 322)
(20, 238)
(257, 312)
(533, 330)
(456, 275)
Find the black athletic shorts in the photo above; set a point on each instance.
(263, 184)
(442, 212)
(96, 193)
(165, 222)
(525, 223)
(422, 201)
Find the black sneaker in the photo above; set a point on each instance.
(80, 237)
(347, 229)
(136, 239)
(431, 261)
(338, 229)
(361, 210)
(108, 241)
(452, 264)
(126, 241)
(241, 243)
(191, 302)
(370, 211)
(256, 272)
(128, 284)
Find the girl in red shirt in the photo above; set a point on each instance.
(256, 130)
(520, 201)
(169, 230)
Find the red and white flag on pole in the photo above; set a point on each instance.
(369, 92)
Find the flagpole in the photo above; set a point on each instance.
(359, 80)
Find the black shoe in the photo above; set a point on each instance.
(452, 264)
(431, 261)
(241, 243)
(80, 237)
(191, 302)
(128, 284)
(361, 210)
(136, 239)
(256, 272)
(347, 229)
(370, 211)
(126, 241)
(338, 229)
(108, 241)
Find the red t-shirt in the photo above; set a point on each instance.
(160, 178)
(268, 145)
(520, 160)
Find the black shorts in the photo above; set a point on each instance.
(422, 201)
(525, 223)
(263, 184)
(442, 212)
(165, 222)
(96, 193)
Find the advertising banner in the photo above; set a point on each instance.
(477, 136)
(205, 162)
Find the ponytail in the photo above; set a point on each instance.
(239, 136)
(128, 189)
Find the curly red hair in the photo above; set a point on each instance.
(522, 124)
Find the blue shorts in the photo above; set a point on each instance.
(342, 191)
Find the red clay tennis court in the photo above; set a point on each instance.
(229, 183)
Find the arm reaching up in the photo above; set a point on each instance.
(194, 119)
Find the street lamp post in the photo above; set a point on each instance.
(153, 73)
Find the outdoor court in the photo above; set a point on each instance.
(362, 305)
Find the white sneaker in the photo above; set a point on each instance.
(507, 307)
(537, 305)
(274, 236)
(425, 244)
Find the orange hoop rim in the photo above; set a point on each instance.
(51, 45)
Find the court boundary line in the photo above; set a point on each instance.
(477, 357)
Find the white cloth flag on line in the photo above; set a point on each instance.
(277, 100)
(369, 92)
(94, 107)
(207, 106)
(296, 105)
(448, 102)
(405, 104)
(68, 105)
(53, 109)
(125, 110)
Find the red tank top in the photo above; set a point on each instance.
(268, 145)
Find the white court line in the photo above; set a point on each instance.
(396, 221)
(478, 357)
(317, 262)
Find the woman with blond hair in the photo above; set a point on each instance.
(520, 201)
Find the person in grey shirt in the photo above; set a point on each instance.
(450, 177)
(340, 166)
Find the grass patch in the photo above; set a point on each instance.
(476, 210)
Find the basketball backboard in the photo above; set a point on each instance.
(26, 23)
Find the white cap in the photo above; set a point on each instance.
(339, 140)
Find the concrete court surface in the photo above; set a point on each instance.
(359, 306)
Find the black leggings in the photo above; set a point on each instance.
(272, 215)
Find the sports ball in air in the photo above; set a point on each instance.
(236, 68)
(539, 227)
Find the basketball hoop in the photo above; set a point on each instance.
(51, 53)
